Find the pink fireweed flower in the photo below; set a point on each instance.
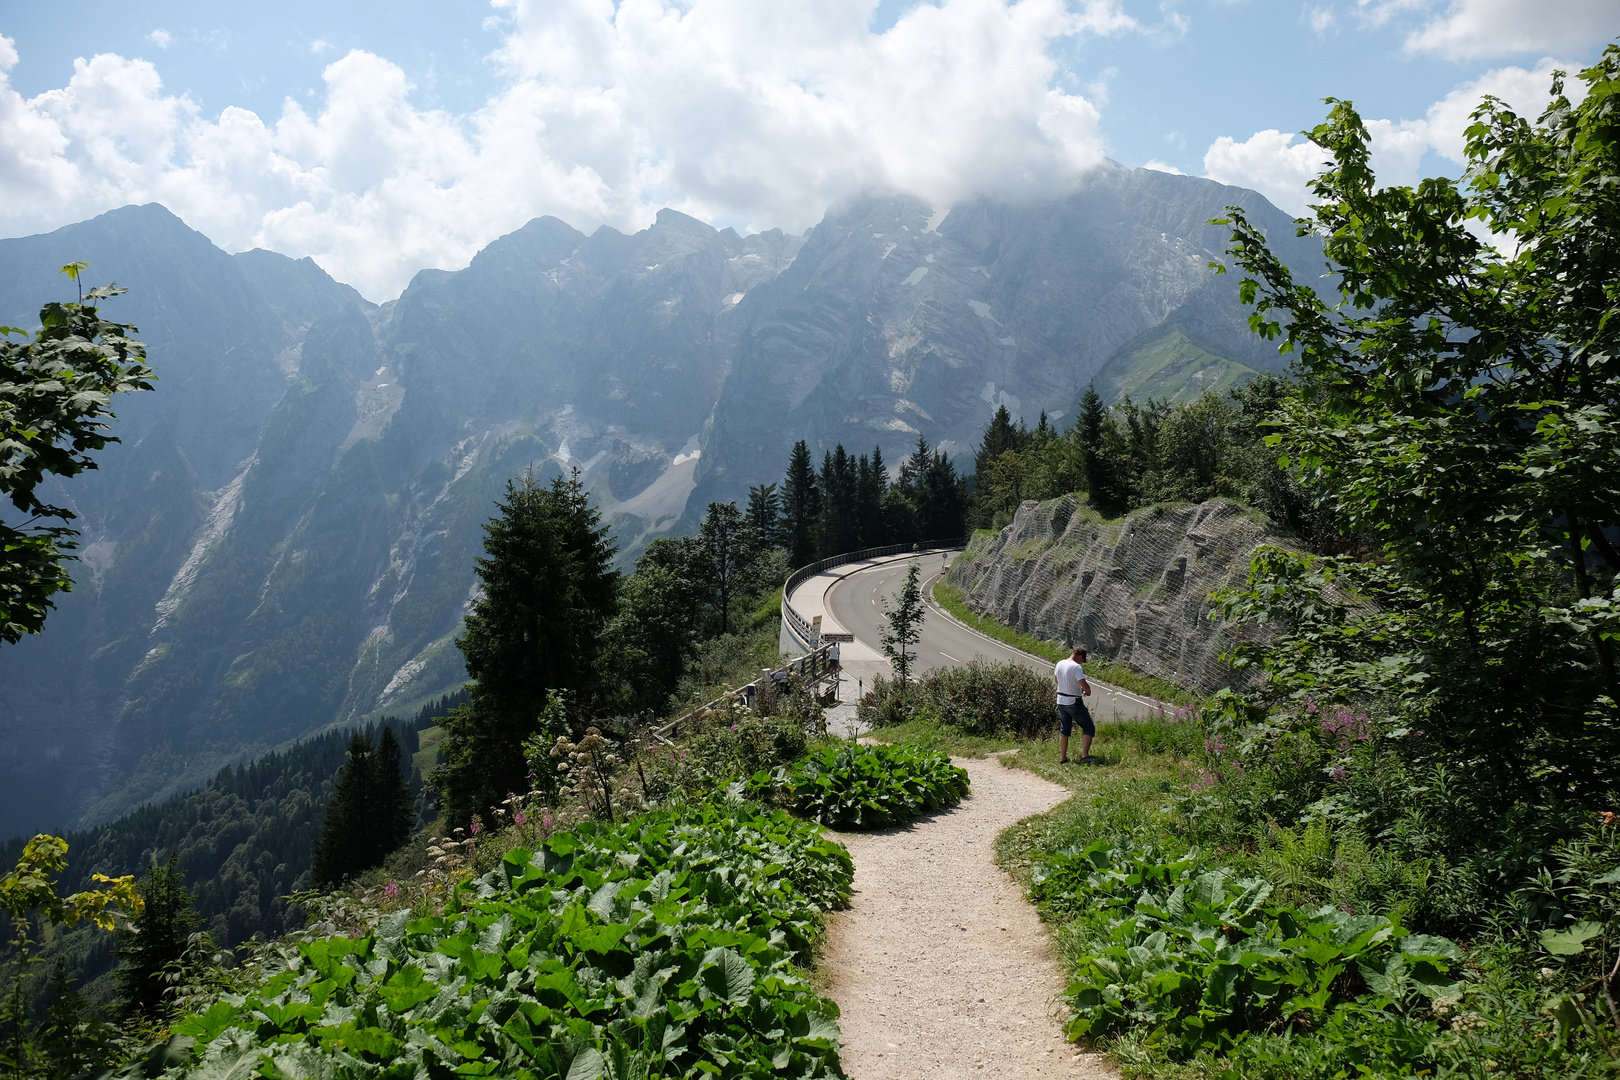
(1339, 774)
(545, 822)
(519, 818)
(477, 828)
(391, 890)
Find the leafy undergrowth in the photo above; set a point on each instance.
(663, 947)
(951, 598)
(873, 787)
(1200, 957)
(1183, 967)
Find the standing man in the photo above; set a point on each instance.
(1070, 679)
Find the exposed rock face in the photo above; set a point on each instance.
(891, 323)
(1134, 589)
(285, 537)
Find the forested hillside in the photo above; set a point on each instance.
(242, 844)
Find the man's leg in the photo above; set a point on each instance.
(1087, 731)
(1063, 749)
(1065, 725)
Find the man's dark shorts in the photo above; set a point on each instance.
(1068, 714)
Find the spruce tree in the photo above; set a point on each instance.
(764, 510)
(839, 530)
(722, 537)
(344, 848)
(1091, 428)
(801, 506)
(1000, 435)
(871, 484)
(549, 592)
(396, 807)
(156, 939)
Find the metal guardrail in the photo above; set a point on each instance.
(798, 625)
(812, 664)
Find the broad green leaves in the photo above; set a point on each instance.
(1206, 959)
(665, 947)
(873, 787)
(55, 398)
(1572, 941)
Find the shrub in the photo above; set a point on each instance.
(979, 698)
(639, 949)
(725, 744)
(871, 787)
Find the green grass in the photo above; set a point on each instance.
(928, 735)
(950, 598)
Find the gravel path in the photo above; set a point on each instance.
(940, 966)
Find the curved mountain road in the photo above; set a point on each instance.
(852, 599)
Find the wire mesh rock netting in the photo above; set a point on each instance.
(1134, 589)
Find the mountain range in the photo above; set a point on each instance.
(284, 538)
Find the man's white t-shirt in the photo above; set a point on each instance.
(1069, 674)
(832, 652)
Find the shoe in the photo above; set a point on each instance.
(1063, 761)
(1089, 760)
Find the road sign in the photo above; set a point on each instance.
(837, 637)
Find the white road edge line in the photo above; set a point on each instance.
(949, 657)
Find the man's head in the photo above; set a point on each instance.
(1077, 654)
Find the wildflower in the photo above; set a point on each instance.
(1339, 775)
(545, 822)
(519, 818)
(477, 827)
(391, 890)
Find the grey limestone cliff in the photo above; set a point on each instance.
(1134, 589)
(285, 537)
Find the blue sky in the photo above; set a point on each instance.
(383, 138)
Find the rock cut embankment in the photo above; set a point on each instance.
(1134, 589)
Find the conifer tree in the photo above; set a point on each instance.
(722, 537)
(903, 626)
(343, 850)
(1000, 435)
(764, 512)
(937, 494)
(396, 806)
(839, 531)
(801, 506)
(370, 813)
(872, 484)
(549, 594)
(157, 938)
(1091, 430)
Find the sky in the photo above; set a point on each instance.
(384, 138)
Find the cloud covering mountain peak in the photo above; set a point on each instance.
(753, 115)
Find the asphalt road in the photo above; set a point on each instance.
(856, 603)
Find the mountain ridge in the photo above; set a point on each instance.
(284, 539)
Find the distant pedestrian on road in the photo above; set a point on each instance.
(1070, 679)
(832, 658)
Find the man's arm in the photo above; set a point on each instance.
(1085, 686)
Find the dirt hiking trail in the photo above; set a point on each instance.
(940, 966)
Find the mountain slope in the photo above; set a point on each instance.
(285, 538)
(889, 325)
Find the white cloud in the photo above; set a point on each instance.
(1280, 166)
(1271, 162)
(761, 115)
(1158, 166)
(161, 38)
(1475, 29)
(1320, 19)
